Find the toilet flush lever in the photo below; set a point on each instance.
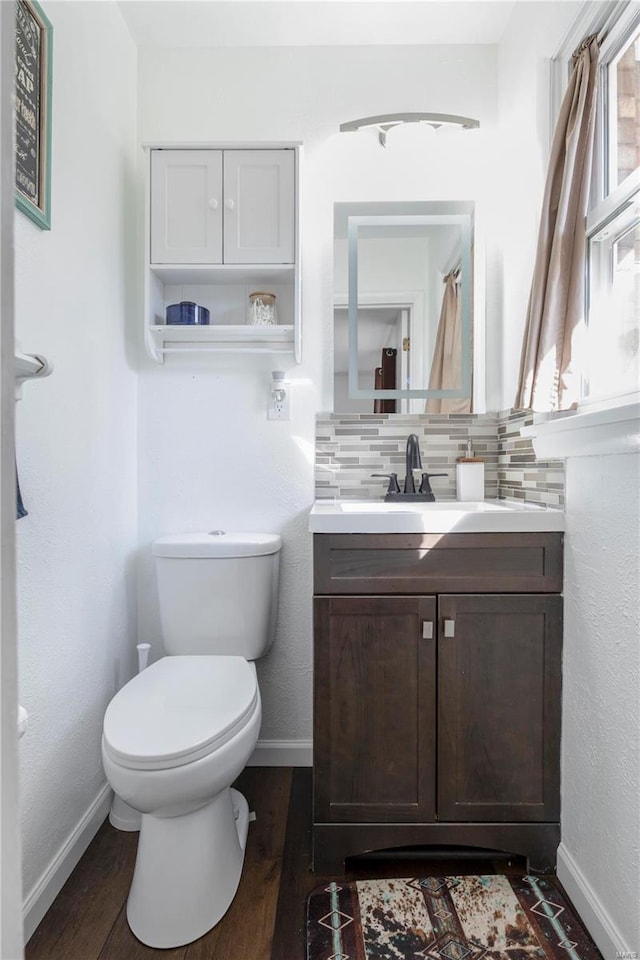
(427, 630)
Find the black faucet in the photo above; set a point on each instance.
(413, 462)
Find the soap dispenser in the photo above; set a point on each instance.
(470, 476)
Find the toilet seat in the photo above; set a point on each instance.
(180, 709)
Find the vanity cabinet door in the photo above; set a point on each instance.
(374, 709)
(499, 678)
(186, 206)
(259, 193)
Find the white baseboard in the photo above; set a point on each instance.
(57, 873)
(607, 937)
(282, 753)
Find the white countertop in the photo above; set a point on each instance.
(444, 516)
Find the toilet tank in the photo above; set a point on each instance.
(218, 592)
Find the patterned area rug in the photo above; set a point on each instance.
(445, 918)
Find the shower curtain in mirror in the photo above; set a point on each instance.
(446, 367)
(556, 301)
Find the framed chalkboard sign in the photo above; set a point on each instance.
(33, 112)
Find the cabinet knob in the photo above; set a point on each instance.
(213, 204)
(229, 203)
(449, 628)
(427, 630)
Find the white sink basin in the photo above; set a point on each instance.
(379, 506)
(445, 516)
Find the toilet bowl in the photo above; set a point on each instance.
(176, 736)
(174, 740)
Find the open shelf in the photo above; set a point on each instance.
(220, 333)
(175, 338)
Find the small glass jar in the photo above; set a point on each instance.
(262, 309)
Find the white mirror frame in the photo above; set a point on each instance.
(478, 285)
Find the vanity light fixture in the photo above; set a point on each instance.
(388, 121)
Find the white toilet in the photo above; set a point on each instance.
(177, 735)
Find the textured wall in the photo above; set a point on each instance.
(600, 758)
(208, 455)
(532, 36)
(601, 722)
(76, 430)
(11, 931)
(203, 469)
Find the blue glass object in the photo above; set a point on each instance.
(187, 313)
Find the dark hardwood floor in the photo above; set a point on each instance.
(266, 920)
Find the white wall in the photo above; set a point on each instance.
(600, 852)
(10, 852)
(76, 431)
(529, 42)
(601, 719)
(208, 456)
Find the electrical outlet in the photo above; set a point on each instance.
(279, 409)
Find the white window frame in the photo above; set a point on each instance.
(615, 39)
(615, 21)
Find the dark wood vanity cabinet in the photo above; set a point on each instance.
(437, 701)
(375, 710)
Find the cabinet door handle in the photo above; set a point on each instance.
(427, 630)
(213, 204)
(449, 628)
(229, 204)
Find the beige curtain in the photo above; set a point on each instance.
(446, 367)
(556, 302)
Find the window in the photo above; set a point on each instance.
(624, 99)
(609, 355)
(612, 363)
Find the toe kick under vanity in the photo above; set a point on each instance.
(437, 682)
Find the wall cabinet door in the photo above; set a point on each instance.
(186, 206)
(374, 709)
(499, 676)
(222, 206)
(259, 191)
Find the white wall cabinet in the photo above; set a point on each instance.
(222, 221)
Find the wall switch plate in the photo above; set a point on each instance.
(280, 409)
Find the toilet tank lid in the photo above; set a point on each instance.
(217, 543)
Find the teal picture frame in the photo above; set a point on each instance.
(34, 78)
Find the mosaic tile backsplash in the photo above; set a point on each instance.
(349, 448)
(520, 475)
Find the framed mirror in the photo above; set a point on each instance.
(403, 307)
